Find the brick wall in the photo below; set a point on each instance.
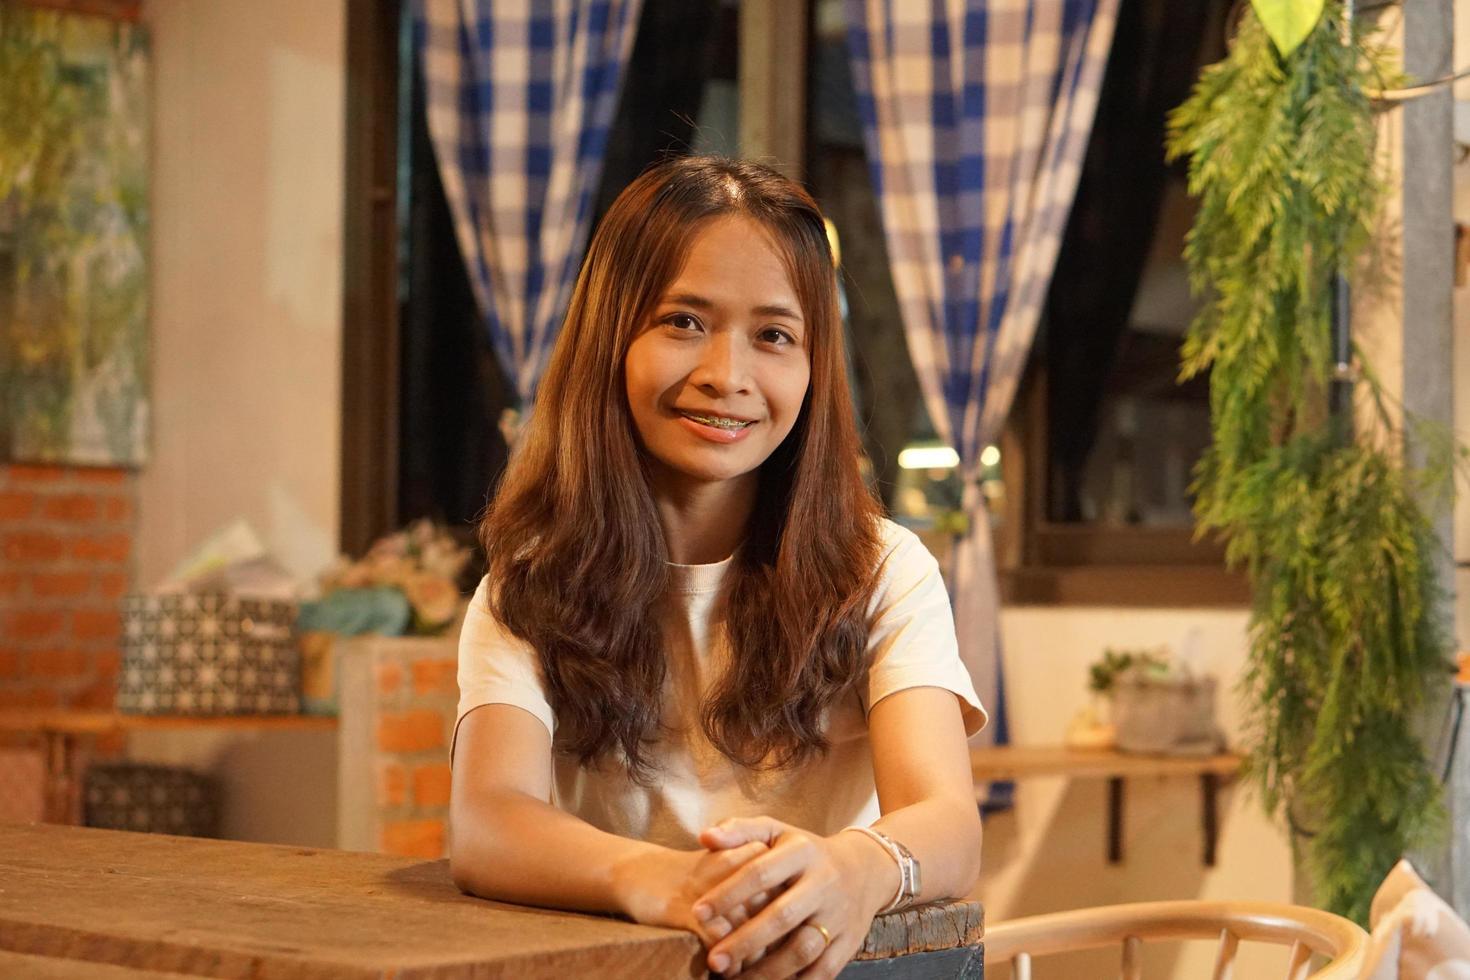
(66, 557)
(396, 709)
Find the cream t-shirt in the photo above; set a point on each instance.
(911, 644)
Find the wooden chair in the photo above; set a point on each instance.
(1308, 931)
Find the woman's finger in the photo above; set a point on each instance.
(741, 913)
(771, 927)
(831, 962)
(735, 831)
(764, 873)
(715, 929)
(718, 866)
(802, 948)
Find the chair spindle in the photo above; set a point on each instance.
(1225, 957)
(1132, 958)
(1299, 963)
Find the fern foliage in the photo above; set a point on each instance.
(1324, 514)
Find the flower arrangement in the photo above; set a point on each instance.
(405, 584)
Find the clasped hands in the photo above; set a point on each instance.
(771, 901)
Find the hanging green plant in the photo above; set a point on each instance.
(1318, 507)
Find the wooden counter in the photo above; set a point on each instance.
(144, 904)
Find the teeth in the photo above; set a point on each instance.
(716, 421)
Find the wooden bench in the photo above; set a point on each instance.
(142, 905)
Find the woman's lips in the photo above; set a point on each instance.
(714, 433)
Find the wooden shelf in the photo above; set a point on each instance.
(106, 722)
(1021, 761)
(1011, 762)
(60, 731)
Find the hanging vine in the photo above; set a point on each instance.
(1320, 508)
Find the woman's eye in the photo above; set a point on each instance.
(772, 335)
(682, 321)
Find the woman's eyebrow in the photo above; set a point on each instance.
(700, 303)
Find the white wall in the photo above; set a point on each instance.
(1049, 852)
(247, 277)
(247, 336)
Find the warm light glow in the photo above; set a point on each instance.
(990, 456)
(928, 458)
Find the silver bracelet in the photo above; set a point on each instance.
(908, 869)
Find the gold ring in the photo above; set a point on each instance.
(823, 930)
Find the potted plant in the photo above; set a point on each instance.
(1315, 496)
(1158, 706)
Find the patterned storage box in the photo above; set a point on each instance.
(151, 800)
(208, 653)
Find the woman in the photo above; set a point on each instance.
(700, 657)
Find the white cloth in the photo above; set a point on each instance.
(911, 643)
(1416, 934)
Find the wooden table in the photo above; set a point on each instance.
(1009, 762)
(145, 905)
(60, 730)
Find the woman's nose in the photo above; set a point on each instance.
(723, 364)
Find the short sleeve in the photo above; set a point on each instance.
(497, 667)
(911, 642)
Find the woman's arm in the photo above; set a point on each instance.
(922, 766)
(508, 842)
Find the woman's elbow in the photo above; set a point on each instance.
(473, 843)
(971, 838)
(462, 865)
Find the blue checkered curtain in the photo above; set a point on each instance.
(976, 115)
(519, 97)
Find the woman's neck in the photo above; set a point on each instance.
(704, 523)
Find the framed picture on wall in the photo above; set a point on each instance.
(74, 139)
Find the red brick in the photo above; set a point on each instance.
(108, 745)
(435, 676)
(55, 664)
(392, 785)
(93, 624)
(112, 585)
(102, 548)
(74, 508)
(117, 509)
(102, 476)
(431, 785)
(10, 583)
(389, 674)
(29, 624)
(414, 838)
(107, 663)
(16, 506)
(60, 585)
(100, 695)
(33, 474)
(9, 663)
(28, 697)
(410, 731)
(27, 547)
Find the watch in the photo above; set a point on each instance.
(909, 882)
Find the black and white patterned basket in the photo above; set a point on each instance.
(208, 653)
(151, 799)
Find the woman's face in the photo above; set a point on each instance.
(717, 376)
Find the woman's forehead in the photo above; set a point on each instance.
(734, 260)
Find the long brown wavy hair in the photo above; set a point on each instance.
(577, 560)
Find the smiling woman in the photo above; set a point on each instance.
(699, 650)
(716, 381)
